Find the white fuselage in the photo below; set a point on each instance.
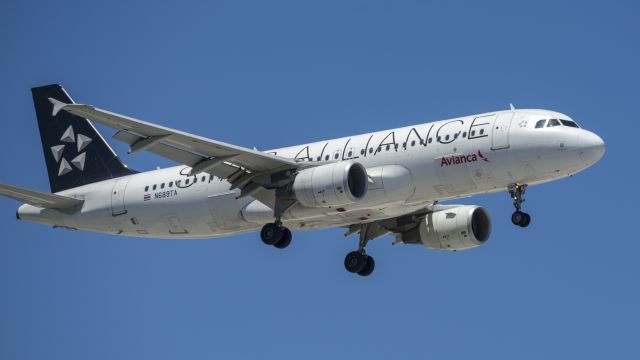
(410, 169)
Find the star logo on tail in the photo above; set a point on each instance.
(75, 144)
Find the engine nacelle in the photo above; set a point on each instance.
(458, 228)
(335, 184)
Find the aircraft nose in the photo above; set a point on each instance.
(591, 148)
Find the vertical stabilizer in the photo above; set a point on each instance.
(74, 152)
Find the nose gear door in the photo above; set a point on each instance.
(500, 133)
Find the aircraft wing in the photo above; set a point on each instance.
(238, 165)
(38, 198)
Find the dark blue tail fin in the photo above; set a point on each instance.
(74, 151)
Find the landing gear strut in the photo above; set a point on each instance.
(358, 261)
(519, 217)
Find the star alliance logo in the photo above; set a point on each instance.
(69, 138)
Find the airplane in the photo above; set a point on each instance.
(375, 184)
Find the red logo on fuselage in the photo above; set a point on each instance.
(462, 159)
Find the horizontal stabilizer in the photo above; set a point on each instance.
(39, 198)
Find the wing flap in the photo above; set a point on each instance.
(38, 198)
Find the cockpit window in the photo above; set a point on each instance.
(569, 123)
(540, 123)
(553, 122)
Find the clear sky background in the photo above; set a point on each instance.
(274, 73)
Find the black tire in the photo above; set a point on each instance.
(271, 234)
(354, 262)
(286, 239)
(526, 220)
(368, 269)
(517, 218)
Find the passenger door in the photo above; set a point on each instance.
(117, 197)
(500, 133)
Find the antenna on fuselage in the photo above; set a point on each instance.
(511, 106)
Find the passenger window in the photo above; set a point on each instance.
(326, 157)
(446, 138)
(388, 147)
(540, 123)
(195, 179)
(178, 182)
(146, 188)
(413, 143)
(362, 152)
(395, 146)
(404, 145)
(370, 150)
(349, 154)
(336, 156)
(430, 139)
(481, 131)
(203, 178)
(170, 183)
(155, 186)
(553, 122)
(464, 134)
(162, 186)
(211, 176)
(186, 182)
(473, 133)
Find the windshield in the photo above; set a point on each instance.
(542, 123)
(553, 122)
(569, 123)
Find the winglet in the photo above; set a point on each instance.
(57, 106)
(511, 106)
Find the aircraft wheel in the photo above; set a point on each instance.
(517, 218)
(355, 262)
(271, 234)
(368, 268)
(285, 240)
(521, 219)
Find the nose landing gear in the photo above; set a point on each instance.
(358, 261)
(519, 217)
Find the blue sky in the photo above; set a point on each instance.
(275, 73)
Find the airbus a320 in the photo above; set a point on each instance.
(385, 182)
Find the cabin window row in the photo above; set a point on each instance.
(388, 147)
(178, 183)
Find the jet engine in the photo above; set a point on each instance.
(335, 184)
(457, 228)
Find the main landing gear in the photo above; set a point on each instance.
(275, 234)
(519, 217)
(358, 261)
